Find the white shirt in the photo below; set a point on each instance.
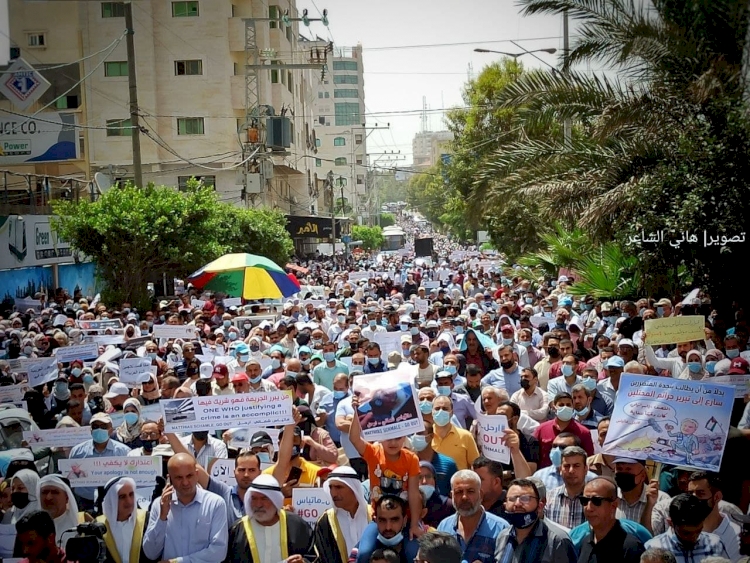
(267, 539)
(212, 448)
(318, 395)
(352, 528)
(122, 533)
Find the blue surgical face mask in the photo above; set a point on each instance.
(390, 542)
(256, 379)
(414, 330)
(731, 354)
(566, 370)
(444, 391)
(403, 327)
(428, 490)
(329, 356)
(555, 456)
(244, 357)
(373, 361)
(507, 341)
(565, 413)
(227, 324)
(341, 318)
(305, 362)
(131, 418)
(529, 300)
(441, 417)
(419, 443)
(152, 355)
(275, 363)
(338, 395)
(425, 406)
(99, 435)
(293, 374)
(525, 343)
(372, 323)
(459, 330)
(88, 379)
(695, 367)
(589, 383)
(583, 412)
(264, 457)
(711, 367)
(450, 369)
(233, 336)
(660, 311)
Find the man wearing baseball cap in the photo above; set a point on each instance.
(268, 533)
(640, 498)
(220, 384)
(100, 445)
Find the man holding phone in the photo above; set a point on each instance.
(301, 472)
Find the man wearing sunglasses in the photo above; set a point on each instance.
(529, 539)
(607, 540)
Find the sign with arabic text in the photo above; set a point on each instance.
(273, 408)
(490, 431)
(671, 330)
(57, 437)
(310, 503)
(97, 471)
(185, 332)
(673, 421)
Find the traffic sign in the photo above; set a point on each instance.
(23, 85)
(346, 239)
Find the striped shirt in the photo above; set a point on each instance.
(659, 513)
(563, 509)
(708, 545)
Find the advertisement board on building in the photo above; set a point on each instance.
(29, 240)
(50, 137)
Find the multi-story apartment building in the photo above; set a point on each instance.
(427, 146)
(340, 130)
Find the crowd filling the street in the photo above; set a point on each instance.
(396, 408)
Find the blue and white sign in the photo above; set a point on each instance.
(23, 85)
(49, 138)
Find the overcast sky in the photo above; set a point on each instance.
(397, 77)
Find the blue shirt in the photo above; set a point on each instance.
(324, 375)
(560, 385)
(579, 533)
(235, 506)
(481, 545)
(463, 408)
(329, 405)
(86, 450)
(192, 533)
(508, 380)
(380, 367)
(602, 405)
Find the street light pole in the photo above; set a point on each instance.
(515, 56)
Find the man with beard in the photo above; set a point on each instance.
(392, 533)
(340, 528)
(474, 528)
(268, 533)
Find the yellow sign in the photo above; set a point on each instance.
(308, 229)
(672, 330)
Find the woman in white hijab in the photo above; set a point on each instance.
(129, 432)
(23, 495)
(56, 498)
(125, 523)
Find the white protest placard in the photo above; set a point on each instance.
(151, 413)
(388, 342)
(741, 383)
(67, 354)
(310, 503)
(691, 296)
(241, 436)
(39, 370)
(134, 371)
(222, 470)
(106, 339)
(185, 332)
(674, 421)
(104, 324)
(59, 320)
(356, 276)
(58, 437)
(421, 305)
(672, 330)
(490, 433)
(12, 393)
(273, 408)
(97, 471)
(197, 303)
(232, 302)
(25, 303)
(431, 284)
(388, 405)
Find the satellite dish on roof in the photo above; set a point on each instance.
(103, 182)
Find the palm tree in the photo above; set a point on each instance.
(679, 67)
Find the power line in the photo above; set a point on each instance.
(73, 125)
(54, 67)
(430, 45)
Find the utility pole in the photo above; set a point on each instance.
(567, 125)
(133, 91)
(329, 185)
(343, 206)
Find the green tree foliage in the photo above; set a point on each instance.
(387, 220)
(662, 147)
(134, 235)
(371, 237)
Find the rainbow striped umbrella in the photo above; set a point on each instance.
(245, 275)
